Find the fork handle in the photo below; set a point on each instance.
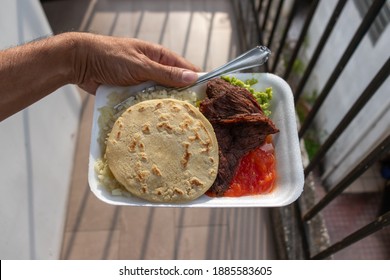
(252, 58)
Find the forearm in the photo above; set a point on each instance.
(32, 71)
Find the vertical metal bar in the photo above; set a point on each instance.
(258, 28)
(259, 33)
(284, 36)
(241, 25)
(245, 19)
(260, 7)
(301, 38)
(275, 24)
(321, 44)
(259, 11)
(378, 224)
(383, 147)
(266, 14)
(370, 90)
(252, 22)
(302, 230)
(362, 30)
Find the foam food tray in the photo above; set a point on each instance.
(290, 179)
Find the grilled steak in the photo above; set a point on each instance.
(240, 126)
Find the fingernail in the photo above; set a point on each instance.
(189, 76)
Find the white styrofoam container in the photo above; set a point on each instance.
(290, 178)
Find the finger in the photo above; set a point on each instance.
(169, 75)
(89, 87)
(170, 58)
(167, 57)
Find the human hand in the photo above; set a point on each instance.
(124, 61)
(31, 71)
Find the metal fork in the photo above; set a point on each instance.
(252, 58)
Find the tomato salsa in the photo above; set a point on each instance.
(256, 172)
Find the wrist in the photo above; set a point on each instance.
(80, 50)
(69, 45)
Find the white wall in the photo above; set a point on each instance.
(373, 123)
(37, 149)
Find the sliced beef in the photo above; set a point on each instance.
(240, 126)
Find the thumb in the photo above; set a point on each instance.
(172, 76)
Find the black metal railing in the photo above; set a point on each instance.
(268, 24)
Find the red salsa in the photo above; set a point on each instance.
(256, 172)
